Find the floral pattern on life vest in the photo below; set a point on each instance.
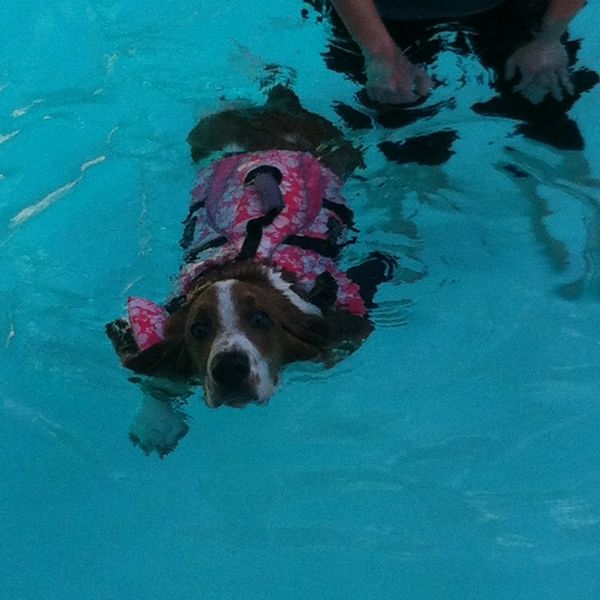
(221, 206)
(308, 265)
(224, 205)
(147, 320)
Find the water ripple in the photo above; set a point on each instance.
(53, 197)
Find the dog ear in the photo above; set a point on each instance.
(306, 337)
(350, 332)
(327, 338)
(168, 358)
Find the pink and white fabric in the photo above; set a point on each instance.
(223, 204)
(147, 320)
(226, 205)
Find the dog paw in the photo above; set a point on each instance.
(157, 427)
(121, 336)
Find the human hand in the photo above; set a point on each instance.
(544, 68)
(394, 79)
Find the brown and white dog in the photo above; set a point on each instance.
(260, 286)
(237, 330)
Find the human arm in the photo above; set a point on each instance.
(391, 77)
(543, 62)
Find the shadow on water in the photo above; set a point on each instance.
(563, 198)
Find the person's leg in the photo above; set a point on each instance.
(342, 55)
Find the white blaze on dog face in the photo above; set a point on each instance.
(240, 332)
(234, 343)
(236, 352)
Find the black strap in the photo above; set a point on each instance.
(254, 229)
(268, 169)
(344, 213)
(214, 243)
(324, 292)
(193, 208)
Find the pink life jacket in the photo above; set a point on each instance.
(226, 222)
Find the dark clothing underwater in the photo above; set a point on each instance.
(402, 10)
(492, 36)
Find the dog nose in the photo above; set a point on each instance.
(230, 368)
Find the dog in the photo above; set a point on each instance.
(260, 285)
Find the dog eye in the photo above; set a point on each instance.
(200, 329)
(260, 319)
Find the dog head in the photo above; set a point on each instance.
(238, 330)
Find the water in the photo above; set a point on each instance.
(456, 455)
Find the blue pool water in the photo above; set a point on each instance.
(455, 456)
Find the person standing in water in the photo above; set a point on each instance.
(539, 57)
(386, 45)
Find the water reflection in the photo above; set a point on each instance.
(562, 196)
(479, 46)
